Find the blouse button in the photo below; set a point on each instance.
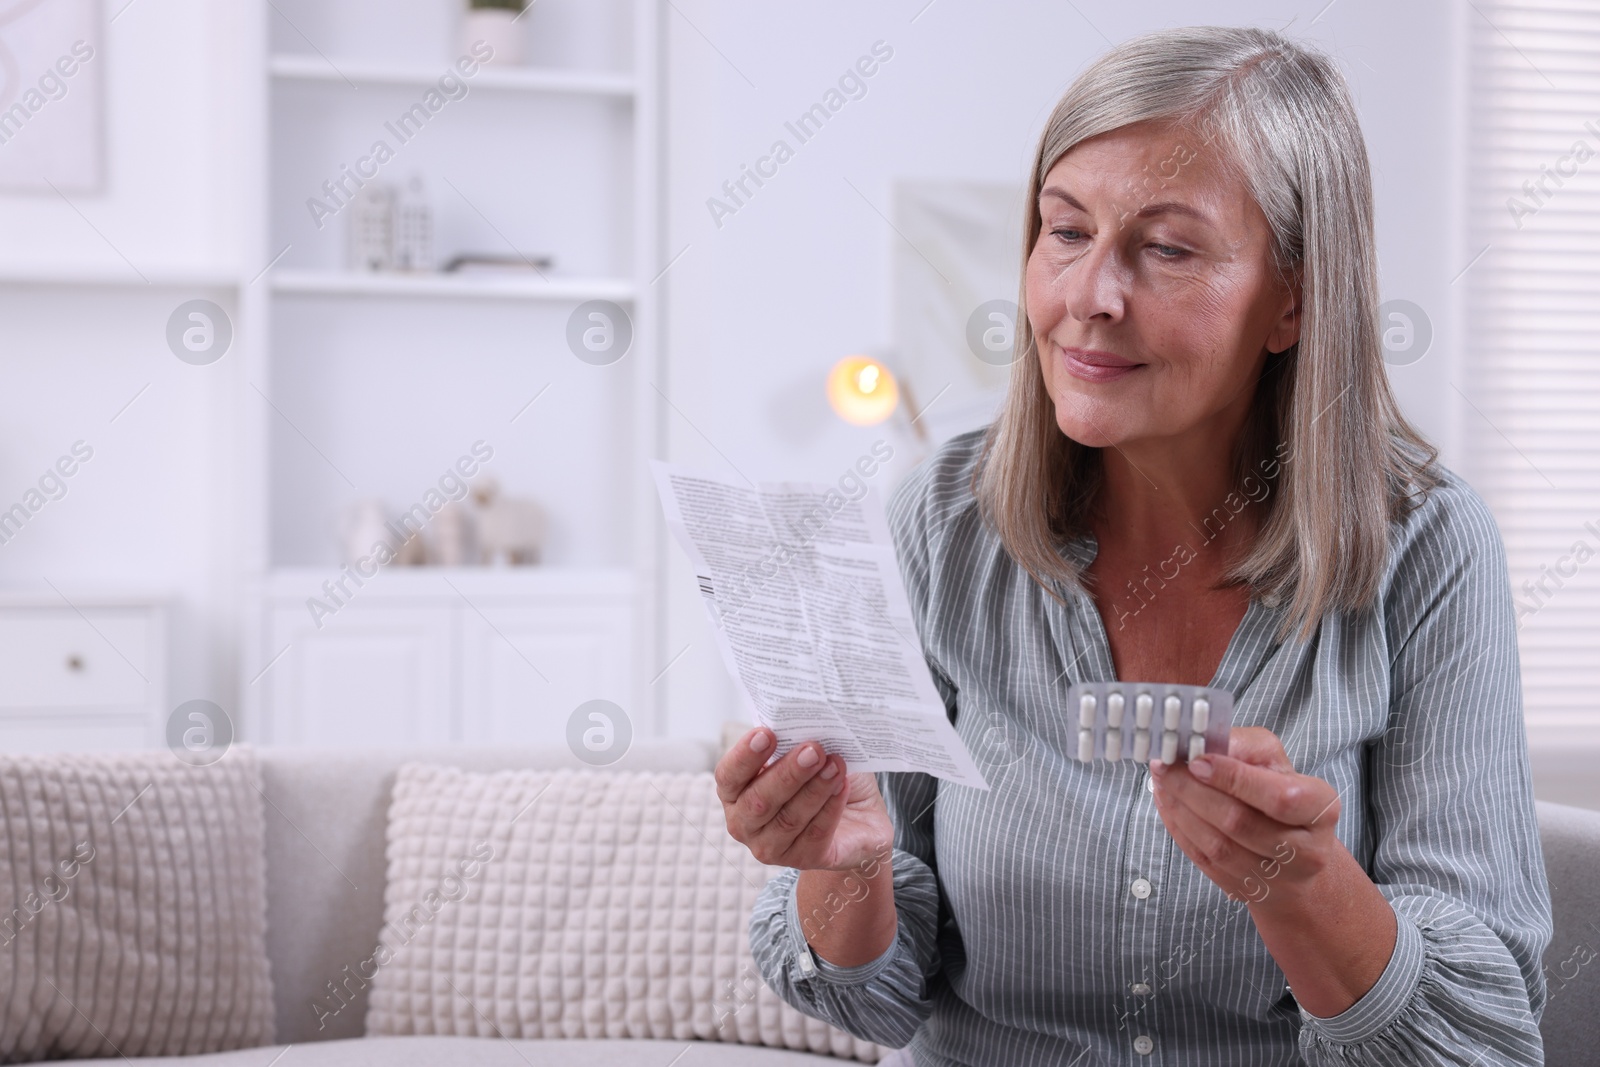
(1149, 783)
(1143, 1045)
(1140, 989)
(1141, 888)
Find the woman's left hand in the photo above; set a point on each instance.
(1264, 833)
(1249, 821)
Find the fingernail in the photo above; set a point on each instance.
(830, 770)
(1157, 768)
(808, 757)
(1201, 768)
(760, 741)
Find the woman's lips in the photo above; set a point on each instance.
(1093, 366)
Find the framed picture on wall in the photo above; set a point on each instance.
(51, 96)
(956, 271)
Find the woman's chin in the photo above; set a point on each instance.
(1091, 425)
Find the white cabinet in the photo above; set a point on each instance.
(375, 674)
(82, 671)
(527, 667)
(439, 656)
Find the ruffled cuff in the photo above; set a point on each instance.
(1454, 991)
(813, 966)
(1387, 998)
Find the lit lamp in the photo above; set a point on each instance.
(861, 391)
(864, 392)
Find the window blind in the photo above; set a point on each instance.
(1529, 381)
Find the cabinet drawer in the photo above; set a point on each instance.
(51, 658)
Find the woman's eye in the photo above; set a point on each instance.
(1068, 235)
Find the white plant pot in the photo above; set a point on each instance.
(496, 27)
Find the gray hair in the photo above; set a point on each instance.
(1283, 118)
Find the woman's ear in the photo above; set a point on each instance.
(1286, 331)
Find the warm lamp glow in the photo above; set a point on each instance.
(862, 391)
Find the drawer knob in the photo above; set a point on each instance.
(74, 662)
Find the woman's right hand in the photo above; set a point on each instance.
(804, 811)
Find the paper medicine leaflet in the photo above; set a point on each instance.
(812, 619)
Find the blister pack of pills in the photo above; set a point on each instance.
(1142, 721)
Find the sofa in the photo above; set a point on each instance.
(324, 835)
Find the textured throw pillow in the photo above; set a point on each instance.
(574, 904)
(132, 906)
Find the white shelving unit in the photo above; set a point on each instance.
(371, 385)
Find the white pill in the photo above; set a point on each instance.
(1169, 747)
(1114, 705)
(1197, 745)
(1141, 746)
(1143, 705)
(1201, 713)
(1086, 745)
(1086, 710)
(1171, 711)
(1113, 744)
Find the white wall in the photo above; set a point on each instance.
(759, 308)
(154, 508)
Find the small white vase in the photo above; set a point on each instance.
(363, 526)
(494, 26)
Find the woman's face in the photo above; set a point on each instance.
(1151, 291)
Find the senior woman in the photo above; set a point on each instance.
(1199, 476)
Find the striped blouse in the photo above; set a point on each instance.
(1053, 920)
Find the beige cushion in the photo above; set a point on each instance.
(573, 904)
(132, 906)
(327, 810)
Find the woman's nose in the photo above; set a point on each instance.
(1094, 284)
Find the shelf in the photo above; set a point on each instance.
(295, 584)
(72, 596)
(461, 287)
(508, 79)
(119, 276)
